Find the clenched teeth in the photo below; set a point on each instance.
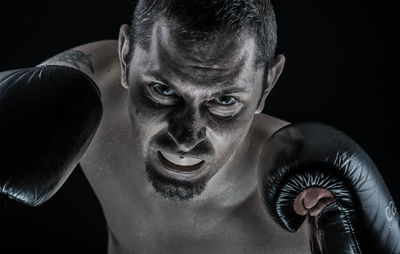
(181, 161)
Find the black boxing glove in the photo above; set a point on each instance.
(314, 171)
(48, 116)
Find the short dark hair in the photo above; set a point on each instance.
(203, 17)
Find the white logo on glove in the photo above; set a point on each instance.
(391, 211)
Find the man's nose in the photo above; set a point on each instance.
(187, 129)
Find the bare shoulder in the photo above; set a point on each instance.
(264, 126)
(99, 60)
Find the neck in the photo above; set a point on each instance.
(235, 181)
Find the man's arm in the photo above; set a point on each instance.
(72, 57)
(99, 60)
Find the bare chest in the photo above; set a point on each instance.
(135, 225)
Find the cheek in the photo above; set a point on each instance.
(227, 135)
(146, 119)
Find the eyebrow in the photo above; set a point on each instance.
(225, 90)
(231, 90)
(158, 76)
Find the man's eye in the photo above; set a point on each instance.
(225, 100)
(162, 89)
(224, 106)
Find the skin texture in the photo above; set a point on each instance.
(215, 210)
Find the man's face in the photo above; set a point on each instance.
(194, 99)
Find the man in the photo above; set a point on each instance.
(194, 82)
(174, 160)
(199, 98)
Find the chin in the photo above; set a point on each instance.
(174, 189)
(175, 183)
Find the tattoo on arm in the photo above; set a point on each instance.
(73, 57)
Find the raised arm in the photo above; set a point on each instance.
(99, 60)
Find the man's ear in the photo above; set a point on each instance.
(273, 75)
(123, 51)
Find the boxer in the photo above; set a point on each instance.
(174, 160)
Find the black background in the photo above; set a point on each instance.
(342, 69)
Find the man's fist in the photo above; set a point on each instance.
(314, 171)
(48, 116)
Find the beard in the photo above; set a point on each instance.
(173, 189)
(169, 188)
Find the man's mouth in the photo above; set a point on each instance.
(179, 163)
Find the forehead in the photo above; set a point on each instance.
(217, 53)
